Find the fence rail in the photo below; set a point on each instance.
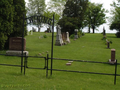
(53, 69)
(46, 66)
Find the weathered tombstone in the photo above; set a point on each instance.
(104, 33)
(64, 36)
(112, 60)
(15, 46)
(68, 64)
(33, 29)
(76, 35)
(59, 41)
(15, 43)
(108, 43)
(67, 40)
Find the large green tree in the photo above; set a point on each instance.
(95, 16)
(115, 19)
(56, 6)
(19, 13)
(36, 7)
(73, 15)
(6, 20)
(11, 20)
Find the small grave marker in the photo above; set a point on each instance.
(112, 60)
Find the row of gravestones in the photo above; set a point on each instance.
(112, 60)
(63, 38)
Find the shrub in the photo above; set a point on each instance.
(45, 36)
(72, 36)
(3, 39)
(118, 34)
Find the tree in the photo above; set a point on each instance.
(36, 7)
(73, 15)
(115, 19)
(19, 12)
(95, 16)
(6, 20)
(56, 6)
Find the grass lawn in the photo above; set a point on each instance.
(90, 47)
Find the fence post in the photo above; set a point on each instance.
(25, 63)
(22, 43)
(47, 66)
(115, 72)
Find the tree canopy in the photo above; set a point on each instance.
(6, 20)
(95, 16)
(73, 15)
(36, 7)
(115, 19)
(11, 20)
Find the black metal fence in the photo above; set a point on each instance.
(53, 69)
(24, 63)
(47, 59)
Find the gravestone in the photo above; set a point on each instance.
(67, 40)
(59, 40)
(76, 35)
(15, 43)
(104, 32)
(108, 43)
(15, 46)
(112, 60)
(64, 36)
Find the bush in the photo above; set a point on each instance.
(45, 36)
(72, 36)
(118, 34)
(3, 39)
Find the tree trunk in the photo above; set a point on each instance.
(93, 30)
(89, 29)
(39, 28)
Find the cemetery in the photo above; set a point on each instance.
(73, 51)
(67, 59)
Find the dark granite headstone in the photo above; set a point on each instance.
(15, 43)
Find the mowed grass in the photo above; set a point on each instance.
(89, 47)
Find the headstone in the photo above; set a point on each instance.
(76, 35)
(104, 33)
(68, 64)
(15, 46)
(64, 36)
(112, 60)
(108, 43)
(67, 40)
(59, 40)
(15, 43)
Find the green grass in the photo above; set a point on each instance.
(90, 47)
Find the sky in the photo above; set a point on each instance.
(106, 5)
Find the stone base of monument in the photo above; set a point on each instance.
(12, 52)
(112, 62)
(58, 43)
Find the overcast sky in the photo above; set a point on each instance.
(106, 5)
